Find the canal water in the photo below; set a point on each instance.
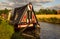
(49, 31)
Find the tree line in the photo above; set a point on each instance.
(46, 11)
(41, 11)
(5, 11)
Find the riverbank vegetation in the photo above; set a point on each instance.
(55, 20)
(7, 30)
(48, 15)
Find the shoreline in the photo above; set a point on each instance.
(54, 19)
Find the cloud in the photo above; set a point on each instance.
(55, 7)
(27, 1)
(48, 0)
(18, 3)
(6, 5)
(3, 7)
(34, 2)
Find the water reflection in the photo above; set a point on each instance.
(49, 31)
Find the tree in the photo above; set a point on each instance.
(6, 11)
(54, 11)
(47, 11)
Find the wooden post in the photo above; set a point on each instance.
(9, 15)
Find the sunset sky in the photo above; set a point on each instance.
(52, 4)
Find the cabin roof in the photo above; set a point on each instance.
(19, 11)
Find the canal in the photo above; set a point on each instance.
(49, 31)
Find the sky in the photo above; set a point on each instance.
(37, 4)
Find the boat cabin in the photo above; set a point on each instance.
(24, 20)
(24, 16)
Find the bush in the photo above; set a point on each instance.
(6, 30)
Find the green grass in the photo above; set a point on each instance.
(6, 30)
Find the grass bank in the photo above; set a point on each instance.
(49, 18)
(7, 31)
